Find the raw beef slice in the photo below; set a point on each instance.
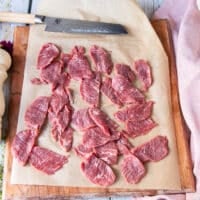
(81, 120)
(154, 150)
(52, 73)
(55, 132)
(121, 83)
(79, 67)
(83, 151)
(135, 129)
(137, 112)
(46, 160)
(47, 54)
(98, 172)
(64, 118)
(60, 86)
(102, 59)
(65, 139)
(90, 89)
(36, 113)
(108, 90)
(65, 57)
(22, 145)
(78, 50)
(126, 71)
(101, 119)
(123, 145)
(108, 153)
(126, 91)
(143, 71)
(132, 169)
(57, 102)
(60, 120)
(95, 137)
(132, 96)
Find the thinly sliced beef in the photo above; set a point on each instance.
(123, 144)
(132, 96)
(52, 73)
(79, 67)
(58, 102)
(132, 169)
(137, 112)
(22, 145)
(125, 71)
(107, 90)
(95, 137)
(65, 57)
(101, 119)
(143, 71)
(102, 59)
(154, 150)
(83, 151)
(55, 132)
(108, 153)
(81, 120)
(121, 84)
(59, 114)
(47, 54)
(52, 117)
(90, 89)
(78, 50)
(62, 119)
(98, 172)
(63, 137)
(127, 93)
(60, 86)
(46, 160)
(139, 128)
(66, 139)
(36, 112)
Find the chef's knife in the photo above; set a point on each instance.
(54, 24)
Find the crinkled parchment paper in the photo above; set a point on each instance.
(142, 42)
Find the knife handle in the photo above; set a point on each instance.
(17, 17)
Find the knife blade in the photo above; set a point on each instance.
(54, 24)
(81, 26)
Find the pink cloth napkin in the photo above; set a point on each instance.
(184, 18)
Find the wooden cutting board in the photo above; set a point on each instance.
(51, 192)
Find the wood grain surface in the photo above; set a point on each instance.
(181, 130)
(51, 192)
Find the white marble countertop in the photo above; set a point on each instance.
(6, 33)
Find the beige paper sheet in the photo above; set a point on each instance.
(143, 43)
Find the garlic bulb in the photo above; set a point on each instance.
(5, 63)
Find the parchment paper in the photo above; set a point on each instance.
(141, 42)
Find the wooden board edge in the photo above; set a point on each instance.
(185, 162)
